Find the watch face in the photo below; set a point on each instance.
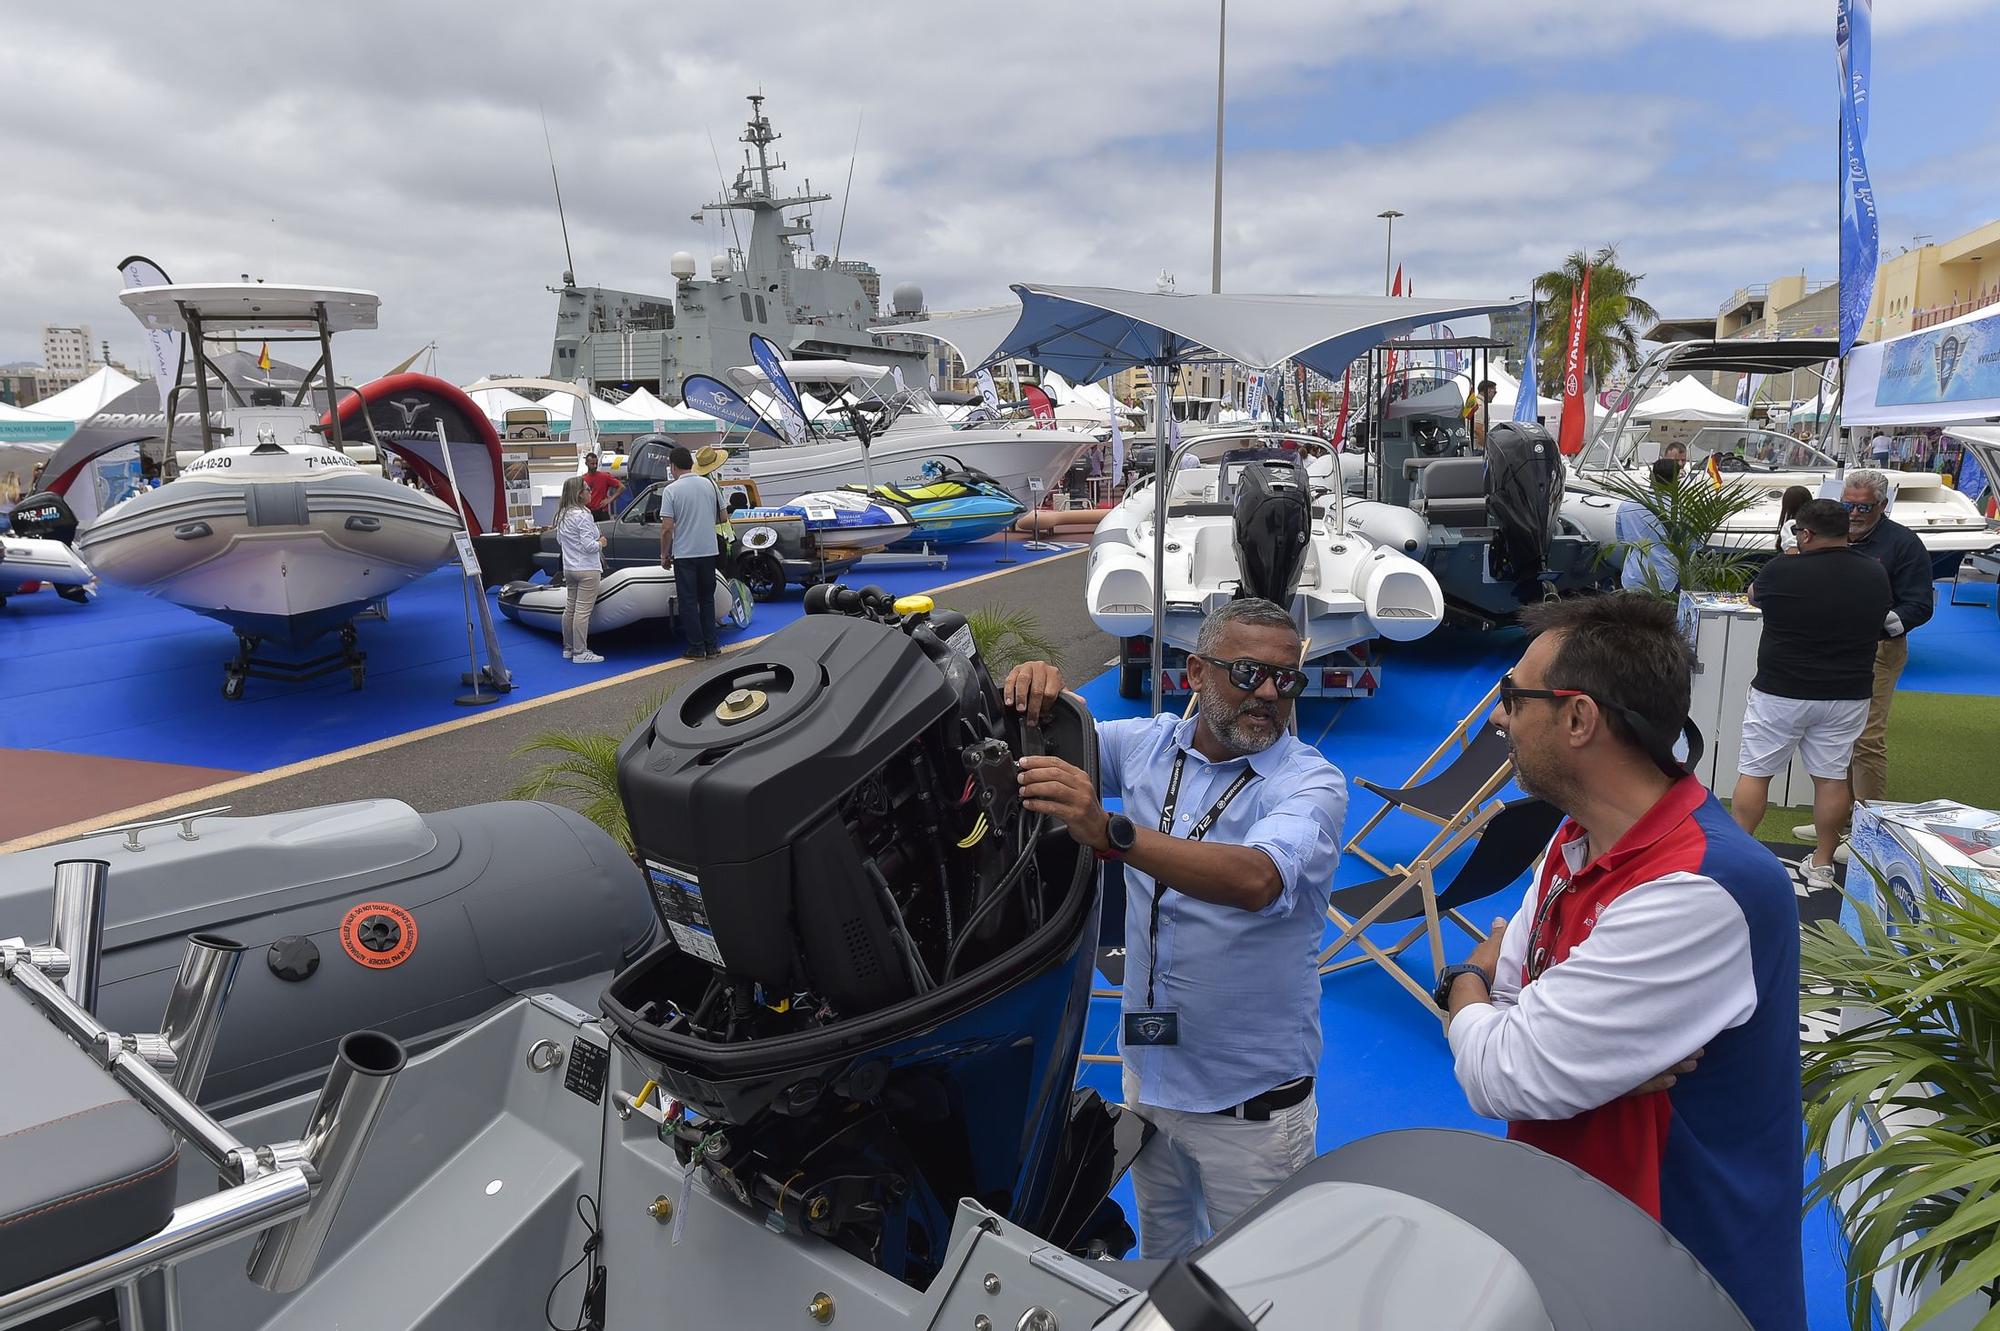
(1119, 832)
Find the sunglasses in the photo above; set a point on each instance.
(1510, 693)
(1249, 675)
(1659, 746)
(1861, 506)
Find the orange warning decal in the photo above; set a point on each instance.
(379, 934)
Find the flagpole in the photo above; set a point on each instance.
(1221, 43)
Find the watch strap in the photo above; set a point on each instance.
(1441, 994)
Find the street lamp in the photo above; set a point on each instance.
(1388, 215)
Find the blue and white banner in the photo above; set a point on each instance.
(163, 345)
(715, 398)
(989, 396)
(1525, 397)
(1860, 234)
(1955, 362)
(1254, 397)
(790, 406)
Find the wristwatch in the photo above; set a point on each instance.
(1442, 994)
(1118, 830)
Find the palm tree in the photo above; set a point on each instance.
(1614, 315)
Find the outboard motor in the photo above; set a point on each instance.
(874, 992)
(1273, 522)
(1524, 487)
(44, 515)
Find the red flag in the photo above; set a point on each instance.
(1340, 430)
(1389, 373)
(1576, 407)
(1044, 409)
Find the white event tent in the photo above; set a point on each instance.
(81, 401)
(1687, 399)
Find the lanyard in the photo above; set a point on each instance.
(1203, 826)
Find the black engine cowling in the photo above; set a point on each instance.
(44, 515)
(1524, 487)
(1273, 519)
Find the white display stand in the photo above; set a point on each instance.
(1725, 630)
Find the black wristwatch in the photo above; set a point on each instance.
(1442, 994)
(1118, 830)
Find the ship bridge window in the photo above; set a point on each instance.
(743, 298)
(762, 318)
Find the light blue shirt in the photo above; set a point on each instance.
(1640, 529)
(1244, 983)
(694, 504)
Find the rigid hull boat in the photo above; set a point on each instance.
(1253, 523)
(280, 542)
(951, 504)
(897, 1143)
(1769, 463)
(271, 529)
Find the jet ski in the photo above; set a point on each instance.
(273, 529)
(838, 1088)
(1255, 523)
(842, 522)
(624, 597)
(36, 551)
(950, 503)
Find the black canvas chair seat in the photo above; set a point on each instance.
(1459, 783)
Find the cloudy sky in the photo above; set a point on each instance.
(399, 147)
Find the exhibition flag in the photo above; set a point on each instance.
(264, 358)
(1860, 233)
(1575, 408)
(712, 397)
(1525, 397)
(1340, 428)
(163, 344)
(1044, 408)
(989, 396)
(790, 407)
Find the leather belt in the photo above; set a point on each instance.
(1259, 1108)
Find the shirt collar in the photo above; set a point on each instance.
(1668, 812)
(1264, 763)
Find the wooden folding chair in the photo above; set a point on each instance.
(1510, 837)
(1449, 787)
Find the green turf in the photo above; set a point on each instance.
(1941, 746)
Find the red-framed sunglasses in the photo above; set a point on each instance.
(1510, 693)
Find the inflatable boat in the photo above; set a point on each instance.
(624, 597)
(35, 552)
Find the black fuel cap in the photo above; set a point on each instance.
(378, 933)
(293, 957)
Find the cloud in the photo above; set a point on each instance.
(401, 149)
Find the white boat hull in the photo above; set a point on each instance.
(1011, 455)
(281, 545)
(25, 560)
(623, 598)
(1351, 589)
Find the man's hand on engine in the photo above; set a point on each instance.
(1031, 688)
(1063, 792)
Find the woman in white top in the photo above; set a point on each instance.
(583, 568)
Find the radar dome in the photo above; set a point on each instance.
(719, 267)
(907, 298)
(681, 266)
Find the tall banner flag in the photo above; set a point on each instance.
(1044, 408)
(989, 396)
(163, 346)
(1525, 397)
(1860, 232)
(1340, 428)
(1117, 434)
(1389, 371)
(1255, 395)
(901, 387)
(790, 406)
(714, 398)
(1576, 408)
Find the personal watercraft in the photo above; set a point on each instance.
(950, 503)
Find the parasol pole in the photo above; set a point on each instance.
(1162, 404)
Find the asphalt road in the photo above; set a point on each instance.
(478, 762)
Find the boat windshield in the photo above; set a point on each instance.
(1738, 448)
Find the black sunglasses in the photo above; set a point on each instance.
(1861, 506)
(1659, 747)
(1510, 693)
(1249, 675)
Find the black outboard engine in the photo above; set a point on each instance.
(1273, 521)
(44, 515)
(1524, 487)
(873, 997)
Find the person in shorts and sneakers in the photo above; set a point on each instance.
(1823, 612)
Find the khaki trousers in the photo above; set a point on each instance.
(1870, 771)
(577, 605)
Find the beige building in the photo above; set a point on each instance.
(1933, 283)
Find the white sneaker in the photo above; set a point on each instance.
(587, 658)
(567, 654)
(1819, 877)
(1806, 832)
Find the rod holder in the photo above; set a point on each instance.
(194, 1008)
(79, 925)
(336, 1135)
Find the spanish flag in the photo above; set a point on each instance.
(264, 358)
(1715, 470)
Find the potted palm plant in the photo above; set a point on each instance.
(1906, 1098)
(1687, 512)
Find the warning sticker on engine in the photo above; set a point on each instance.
(961, 642)
(678, 895)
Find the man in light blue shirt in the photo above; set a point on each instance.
(689, 510)
(1240, 821)
(1648, 564)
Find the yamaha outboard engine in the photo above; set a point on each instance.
(1524, 486)
(873, 997)
(44, 515)
(1273, 520)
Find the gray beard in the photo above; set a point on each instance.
(1223, 718)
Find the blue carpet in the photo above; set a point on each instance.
(129, 676)
(1387, 1065)
(1958, 651)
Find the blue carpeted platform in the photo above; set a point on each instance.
(129, 676)
(1386, 1064)
(1958, 651)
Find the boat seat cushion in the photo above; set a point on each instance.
(84, 1168)
(1452, 492)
